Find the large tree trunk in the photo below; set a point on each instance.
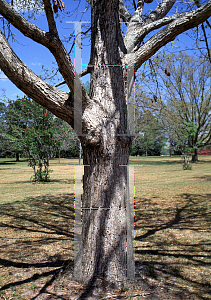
(102, 254)
(195, 156)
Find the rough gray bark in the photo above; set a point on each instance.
(103, 249)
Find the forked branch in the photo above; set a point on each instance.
(174, 28)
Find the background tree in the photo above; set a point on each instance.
(152, 136)
(104, 137)
(70, 142)
(14, 122)
(183, 96)
(31, 130)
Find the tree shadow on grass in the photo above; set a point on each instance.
(173, 244)
(161, 162)
(12, 162)
(52, 181)
(35, 234)
(161, 257)
(203, 178)
(167, 161)
(44, 214)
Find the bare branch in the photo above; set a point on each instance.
(206, 41)
(140, 8)
(208, 24)
(161, 11)
(50, 17)
(204, 32)
(49, 40)
(139, 28)
(124, 13)
(134, 4)
(53, 99)
(27, 28)
(81, 74)
(167, 34)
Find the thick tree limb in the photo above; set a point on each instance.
(49, 40)
(146, 29)
(27, 28)
(139, 28)
(56, 101)
(167, 34)
(50, 17)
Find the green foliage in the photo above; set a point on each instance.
(151, 139)
(30, 129)
(37, 138)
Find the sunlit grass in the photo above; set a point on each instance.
(172, 223)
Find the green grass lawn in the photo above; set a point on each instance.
(172, 226)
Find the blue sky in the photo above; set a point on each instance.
(35, 56)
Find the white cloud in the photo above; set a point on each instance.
(36, 64)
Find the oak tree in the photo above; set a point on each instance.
(105, 137)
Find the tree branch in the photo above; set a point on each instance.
(49, 40)
(134, 4)
(161, 11)
(139, 28)
(167, 34)
(50, 17)
(124, 13)
(27, 28)
(146, 29)
(81, 74)
(26, 80)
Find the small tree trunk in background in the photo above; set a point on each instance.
(59, 156)
(185, 158)
(195, 156)
(17, 156)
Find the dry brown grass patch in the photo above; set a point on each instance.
(172, 241)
